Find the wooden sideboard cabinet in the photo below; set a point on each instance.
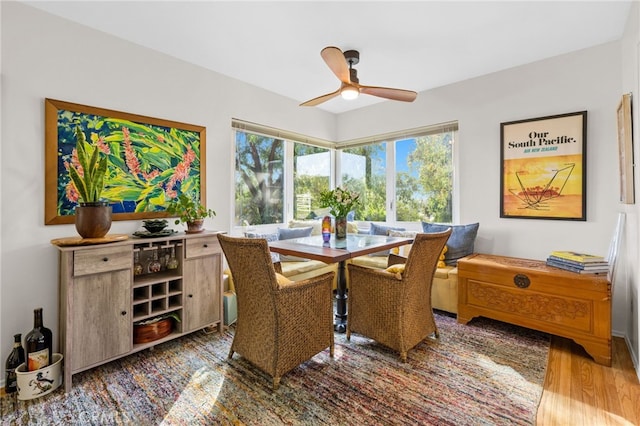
(531, 294)
(102, 295)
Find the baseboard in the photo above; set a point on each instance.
(634, 356)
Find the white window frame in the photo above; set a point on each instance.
(389, 139)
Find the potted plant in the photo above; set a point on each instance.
(189, 211)
(93, 215)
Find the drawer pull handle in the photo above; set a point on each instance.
(205, 245)
(191, 295)
(105, 259)
(521, 281)
(123, 313)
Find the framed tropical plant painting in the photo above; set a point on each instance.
(150, 161)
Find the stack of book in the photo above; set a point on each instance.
(581, 263)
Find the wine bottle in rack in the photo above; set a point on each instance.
(16, 357)
(38, 344)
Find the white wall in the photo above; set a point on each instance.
(584, 80)
(593, 80)
(630, 271)
(45, 56)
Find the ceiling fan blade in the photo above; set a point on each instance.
(321, 99)
(389, 93)
(336, 61)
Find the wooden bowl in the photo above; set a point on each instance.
(150, 332)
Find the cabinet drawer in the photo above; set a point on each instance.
(102, 260)
(206, 246)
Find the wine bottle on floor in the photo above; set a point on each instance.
(38, 344)
(16, 357)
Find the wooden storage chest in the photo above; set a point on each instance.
(531, 294)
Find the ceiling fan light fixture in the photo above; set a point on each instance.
(349, 92)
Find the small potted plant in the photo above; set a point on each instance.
(93, 215)
(189, 211)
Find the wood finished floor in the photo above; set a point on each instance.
(577, 391)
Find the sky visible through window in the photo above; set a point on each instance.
(317, 164)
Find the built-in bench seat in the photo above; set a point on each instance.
(444, 290)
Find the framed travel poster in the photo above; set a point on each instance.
(150, 161)
(543, 167)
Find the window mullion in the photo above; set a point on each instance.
(288, 180)
(391, 181)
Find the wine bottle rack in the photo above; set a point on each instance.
(192, 290)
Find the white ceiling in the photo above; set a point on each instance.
(414, 45)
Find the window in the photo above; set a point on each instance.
(402, 177)
(259, 179)
(278, 174)
(311, 175)
(364, 170)
(424, 178)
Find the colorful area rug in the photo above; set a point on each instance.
(483, 373)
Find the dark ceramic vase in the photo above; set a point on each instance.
(93, 220)
(341, 227)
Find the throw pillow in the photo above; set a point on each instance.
(282, 280)
(316, 225)
(402, 250)
(352, 228)
(289, 233)
(232, 287)
(461, 240)
(376, 229)
(441, 263)
(396, 269)
(275, 257)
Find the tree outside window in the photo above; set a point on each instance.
(259, 194)
(420, 181)
(364, 172)
(424, 178)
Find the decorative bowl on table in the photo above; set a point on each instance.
(154, 226)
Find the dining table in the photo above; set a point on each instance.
(338, 251)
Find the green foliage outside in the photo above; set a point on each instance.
(422, 193)
(433, 160)
(372, 188)
(304, 185)
(425, 197)
(259, 179)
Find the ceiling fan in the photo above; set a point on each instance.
(348, 76)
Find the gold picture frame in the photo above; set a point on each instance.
(625, 149)
(150, 160)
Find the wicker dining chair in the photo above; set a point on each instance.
(395, 308)
(280, 325)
